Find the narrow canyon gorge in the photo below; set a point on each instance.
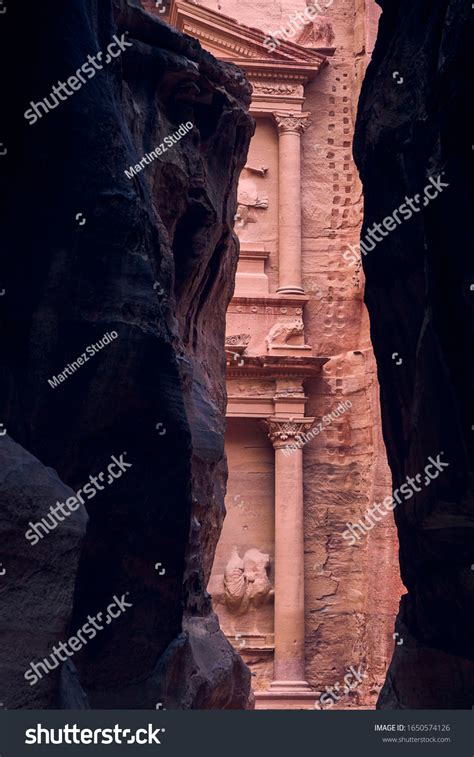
(273, 376)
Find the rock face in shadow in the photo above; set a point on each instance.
(412, 134)
(36, 591)
(151, 259)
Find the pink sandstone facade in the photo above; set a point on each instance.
(299, 603)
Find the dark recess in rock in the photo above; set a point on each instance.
(420, 303)
(154, 261)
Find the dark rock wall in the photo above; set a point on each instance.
(418, 293)
(154, 262)
(36, 591)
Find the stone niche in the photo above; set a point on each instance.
(257, 214)
(242, 582)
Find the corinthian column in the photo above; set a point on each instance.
(289, 660)
(290, 129)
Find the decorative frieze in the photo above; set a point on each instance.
(260, 309)
(278, 88)
(238, 341)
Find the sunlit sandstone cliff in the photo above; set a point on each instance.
(298, 345)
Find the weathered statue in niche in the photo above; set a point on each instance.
(248, 199)
(246, 582)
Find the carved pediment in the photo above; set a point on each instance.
(230, 40)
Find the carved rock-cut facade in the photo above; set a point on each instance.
(334, 605)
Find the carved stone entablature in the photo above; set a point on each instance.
(238, 342)
(278, 77)
(264, 309)
(289, 388)
(292, 122)
(279, 89)
(269, 305)
(275, 367)
(281, 432)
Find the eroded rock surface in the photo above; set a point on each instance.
(151, 258)
(418, 281)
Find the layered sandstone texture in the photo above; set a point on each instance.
(351, 593)
(411, 127)
(152, 258)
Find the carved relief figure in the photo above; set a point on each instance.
(316, 33)
(283, 332)
(234, 582)
(276, 88)
(248, 199)
(246, 581)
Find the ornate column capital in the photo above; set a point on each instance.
(291, 123)
(283, 431)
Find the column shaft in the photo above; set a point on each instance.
(289, 213)
(289, 567)
(289, 658)
(290, 129)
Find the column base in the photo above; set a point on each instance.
(287, 695)
(290, 290)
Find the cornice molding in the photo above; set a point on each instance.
(274, 366)
(272, 300)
